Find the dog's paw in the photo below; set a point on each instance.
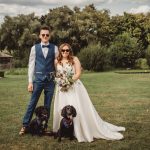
(56, 135)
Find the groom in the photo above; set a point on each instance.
(41, 67)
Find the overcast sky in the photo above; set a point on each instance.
(39, 7)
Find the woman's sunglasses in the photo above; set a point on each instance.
(65, 50)
(43, 35)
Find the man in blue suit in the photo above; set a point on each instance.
(41, 68)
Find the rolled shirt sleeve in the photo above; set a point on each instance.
(56, 51)
(31, 65)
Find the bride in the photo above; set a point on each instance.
(87, 124)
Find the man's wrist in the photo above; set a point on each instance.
(30, 82)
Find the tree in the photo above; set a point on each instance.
(138, 25)
(18, 34)
(80, 28)
(148, 55)
(124, 51)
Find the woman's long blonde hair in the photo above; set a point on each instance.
(70, 56)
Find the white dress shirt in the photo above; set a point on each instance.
(32, 60)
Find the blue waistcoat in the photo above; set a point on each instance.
(44, 66)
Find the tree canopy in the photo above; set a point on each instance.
(80, 28)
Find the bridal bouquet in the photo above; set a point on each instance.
(64, 79)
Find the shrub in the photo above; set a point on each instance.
(94, 57)
(2, 74)
(148, 55)
(124, 51)
(141, 63)
(17, 71)
(21, 63)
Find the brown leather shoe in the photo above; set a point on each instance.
(22, 131)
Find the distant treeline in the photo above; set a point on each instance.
(100, 40)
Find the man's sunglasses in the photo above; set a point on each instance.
(43, 35)
(65, 50)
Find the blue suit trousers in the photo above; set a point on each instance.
(38, 87)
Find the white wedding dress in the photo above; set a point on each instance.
(87, 124)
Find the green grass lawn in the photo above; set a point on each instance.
(121, 99)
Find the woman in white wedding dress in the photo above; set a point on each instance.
(87, 124)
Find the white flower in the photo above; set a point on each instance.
(64, 78)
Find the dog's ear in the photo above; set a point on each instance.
(38, 111)
(73, 111)
(46, 108)
(63, 112)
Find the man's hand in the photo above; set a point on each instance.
(30, 87)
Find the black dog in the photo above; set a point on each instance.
(39, 124)
(66, 125)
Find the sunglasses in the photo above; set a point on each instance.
(65, 50)
(43, 35)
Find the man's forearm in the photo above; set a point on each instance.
(31, 65)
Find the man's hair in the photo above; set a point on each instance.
(46, 28)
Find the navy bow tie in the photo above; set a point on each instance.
(43, 46)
